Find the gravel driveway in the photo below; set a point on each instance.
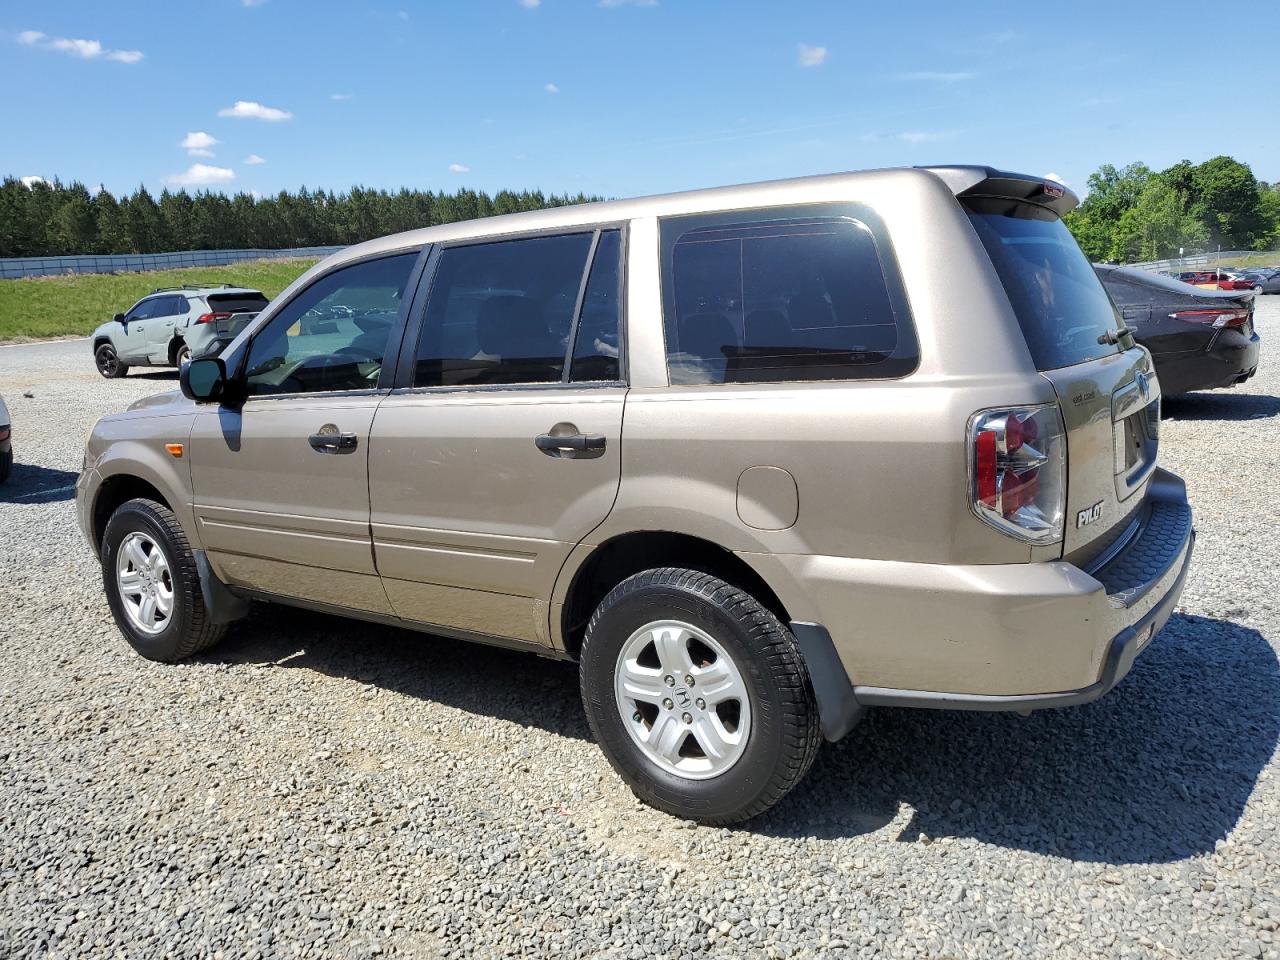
(315, 787)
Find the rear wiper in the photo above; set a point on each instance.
(1113, 336)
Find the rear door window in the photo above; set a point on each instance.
(1058, 299)
(503, 312)
(781, 295)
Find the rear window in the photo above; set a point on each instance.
(1060, 302)
(236, 302)
(763, 296)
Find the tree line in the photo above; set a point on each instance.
(1134, 213)
(56, 219)
(1129, 213)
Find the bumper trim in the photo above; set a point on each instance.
(1121, 653)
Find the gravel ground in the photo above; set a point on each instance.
(329, 789)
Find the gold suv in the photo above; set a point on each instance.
(756, 458)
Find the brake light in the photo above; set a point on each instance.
(211, 317)
(1018, 472)
(1214, 318)
(4, 434)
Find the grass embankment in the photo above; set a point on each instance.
(74, 305)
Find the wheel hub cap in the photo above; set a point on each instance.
(682, 699)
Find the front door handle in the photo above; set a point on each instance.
(570, 445)
(329, 440)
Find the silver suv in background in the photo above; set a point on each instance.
(757, 458)
(6, 442)
(172, 324)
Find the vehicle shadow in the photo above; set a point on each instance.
(29, 483)
(510, 685)
(163, 373)
(1219, 406)
(1157, 771)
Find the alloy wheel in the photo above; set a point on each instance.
(683, 700)
(145, 583)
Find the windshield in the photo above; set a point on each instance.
(1060, 303)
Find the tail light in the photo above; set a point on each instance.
(4, 434)
(1018, 471)
(1214, 318)
(211, 317)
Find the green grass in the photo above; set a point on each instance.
(74, 305)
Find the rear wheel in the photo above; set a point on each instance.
(1258, 290)
(152, 585)
(109, 364)
(698, 696)
(181, 356)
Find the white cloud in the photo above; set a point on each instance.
(30, 180)
(402, 14)
(624, 3)
(811, 56)
(530, 4)
(201, 175)
(86, 49)
(252, 160)
(75, 47)
(1056, 178)
(925, 136)
(255, 111)
(253, 3)
(198, 144)
(937, 76)
(459, 168)
(551, 88)
(339, 96)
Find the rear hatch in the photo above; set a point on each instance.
(240, 308)
(1106, 387)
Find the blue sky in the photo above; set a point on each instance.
(616, 97)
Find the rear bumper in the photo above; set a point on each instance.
(1233, 359)
(1002, 637)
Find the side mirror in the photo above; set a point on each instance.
(204, 380)
(118, 318)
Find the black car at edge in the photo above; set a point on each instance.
(1199, 339)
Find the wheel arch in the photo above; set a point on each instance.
(602, 567)
(114, 492)
(175, 344)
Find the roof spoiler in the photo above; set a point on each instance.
(966, 181)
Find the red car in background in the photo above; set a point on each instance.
(1214, 280)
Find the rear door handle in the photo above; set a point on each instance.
(329, 440)
(571, 446)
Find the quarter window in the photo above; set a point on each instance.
(598, 342)
(503, 313)
(756, 299)
(334, 334)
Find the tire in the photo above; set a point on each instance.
(186, 629)
(775, 720)
(1257, 291)
(181, 355)
(109, 364)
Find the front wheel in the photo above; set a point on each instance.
(698, 696)
(152, 584)
(1258, 290)
(109, 363)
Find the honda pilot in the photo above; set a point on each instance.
(755, 458)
